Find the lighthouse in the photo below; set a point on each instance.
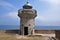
(27, 19)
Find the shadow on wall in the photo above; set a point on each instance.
(12, 31)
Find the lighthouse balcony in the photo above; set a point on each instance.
(27, 11)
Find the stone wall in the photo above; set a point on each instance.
(2, 31)
(45, 31)
(36, 31)
(9, 31)
(57, 32)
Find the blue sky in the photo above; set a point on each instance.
(48, 12)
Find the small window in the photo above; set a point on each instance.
(29, 25)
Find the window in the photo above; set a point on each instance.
(29, 25)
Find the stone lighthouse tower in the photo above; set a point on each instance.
(27, 17)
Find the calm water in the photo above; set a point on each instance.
(16, 27)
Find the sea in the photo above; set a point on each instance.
(17, 27)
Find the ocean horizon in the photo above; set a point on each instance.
(17, 27)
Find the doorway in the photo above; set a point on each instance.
(25, 30)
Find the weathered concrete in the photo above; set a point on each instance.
(27, 17)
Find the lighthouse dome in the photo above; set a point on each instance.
(27, 6)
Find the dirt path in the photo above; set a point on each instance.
(5, 36)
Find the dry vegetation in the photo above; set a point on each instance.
(7, 36)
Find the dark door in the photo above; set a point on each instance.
(25, 30)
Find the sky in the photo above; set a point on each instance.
(48, 12)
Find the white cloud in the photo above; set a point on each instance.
(41, 18)
(10, 18)
(52, 1)
(6, 4)
(13, 15)
(53, 13)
